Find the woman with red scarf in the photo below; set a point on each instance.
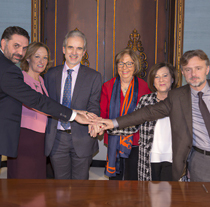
(119, 96)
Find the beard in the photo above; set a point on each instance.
(14, 57)
(198, 84)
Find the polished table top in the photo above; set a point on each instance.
(98, 193)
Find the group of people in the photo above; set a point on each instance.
(188, 110)
(154, 131)
(25, 106)
(150, 154)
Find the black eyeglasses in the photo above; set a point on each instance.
(128, 64)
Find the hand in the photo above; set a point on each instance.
(107, 124)
(93, 130)
(88, 115)
(82, 119)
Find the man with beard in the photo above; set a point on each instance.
(188, 108)
(14, 92)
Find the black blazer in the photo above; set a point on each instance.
(14, 92)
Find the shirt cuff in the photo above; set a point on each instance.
(115, 123)
(73, 115)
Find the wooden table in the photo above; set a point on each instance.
(96, 193)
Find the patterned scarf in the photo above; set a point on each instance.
(120, 146)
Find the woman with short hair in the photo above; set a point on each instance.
(119, 96)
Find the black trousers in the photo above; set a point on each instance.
(129, 166)
(161, 171)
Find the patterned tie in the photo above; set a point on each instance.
(204, 111)
(67, 96)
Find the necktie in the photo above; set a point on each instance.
(67, 96)
(204, 111)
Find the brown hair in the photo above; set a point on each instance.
(133, 56)
(153, 71)
(193, 53)
(31, 50)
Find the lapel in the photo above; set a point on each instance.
(58, 77)
(79, 82)
(186, 105)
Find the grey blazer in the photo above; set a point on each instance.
(86, 96)
(178, 107)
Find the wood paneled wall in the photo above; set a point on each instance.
(107, 25)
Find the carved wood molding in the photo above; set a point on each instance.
(35, 20)
(136, 45)
(178, 36)
(85, 60)
(97, 29)
(156, 31)
(114, 36)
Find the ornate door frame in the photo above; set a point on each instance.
(175, 47)
(178, 36)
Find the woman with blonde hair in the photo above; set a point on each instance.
(31, 161)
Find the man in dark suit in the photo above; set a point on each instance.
(71, 148)
(14, 92)
(190, 125)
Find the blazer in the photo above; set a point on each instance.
(106, 93)
(86, 96)
(33, 119)
(146, 131)
(178, 106)
(14, 92)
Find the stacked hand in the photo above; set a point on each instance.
(96, 126)
(95, 129)
(85, 117)
(99, 127)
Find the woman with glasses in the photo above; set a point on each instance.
(155, 143)
(120, 96)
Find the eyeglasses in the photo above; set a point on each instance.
(128, 64)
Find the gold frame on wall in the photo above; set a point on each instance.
(35, 20)
(178, 36)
